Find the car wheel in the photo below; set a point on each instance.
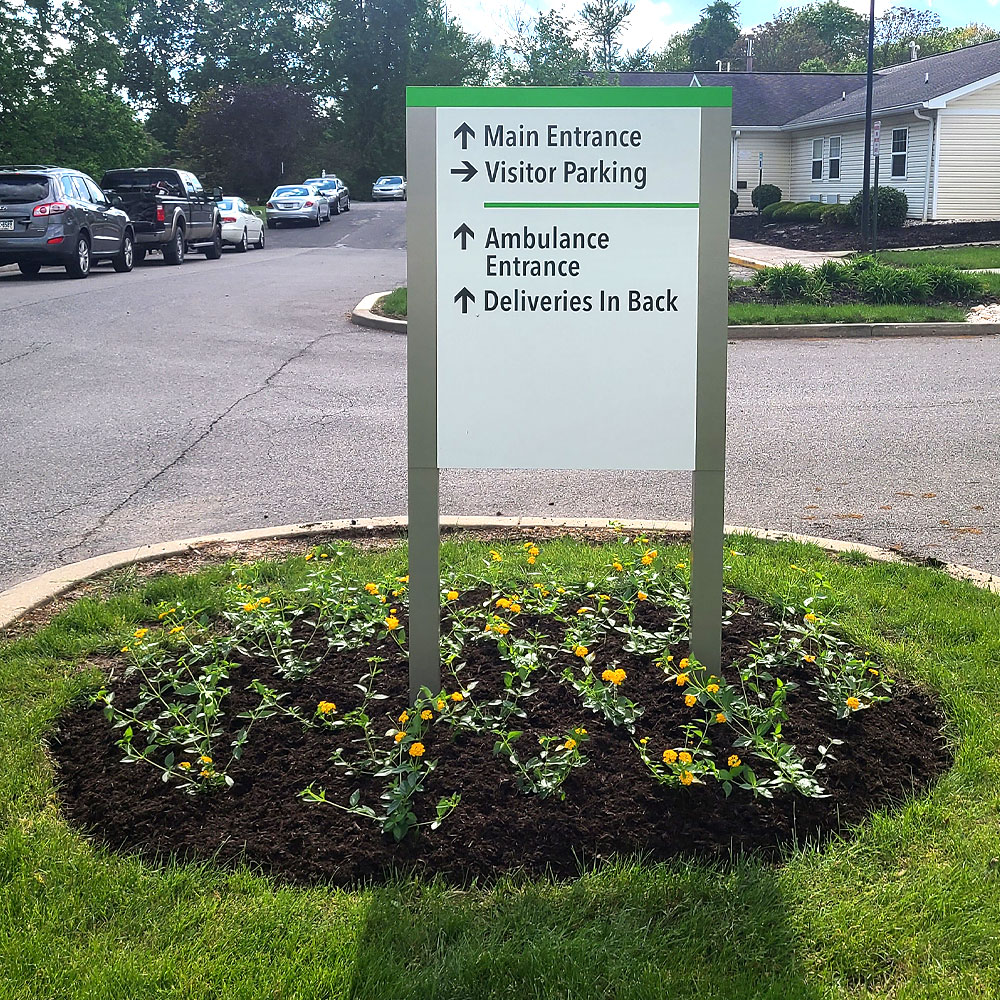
(271, 224)
(28, 268)
(173, 252)
(317, 221)
(243, 245)
(260, 241)
(78, 266)
(214, 249)
(124, 260)
(347, 204)
(337, 212)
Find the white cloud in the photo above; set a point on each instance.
(652, 22)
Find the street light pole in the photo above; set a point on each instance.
(866, 191)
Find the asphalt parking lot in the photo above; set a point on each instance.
(231, 394)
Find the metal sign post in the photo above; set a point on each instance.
(552, 232)
(876, 149)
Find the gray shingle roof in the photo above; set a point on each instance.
(775, 99)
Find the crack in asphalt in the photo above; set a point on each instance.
(64, 552)
(34, 349)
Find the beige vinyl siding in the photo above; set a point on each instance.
(852, 141)
(988, 97)
(969, 163)
(776, 147)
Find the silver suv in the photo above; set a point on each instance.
(55, 217)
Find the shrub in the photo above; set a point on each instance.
(881, 285)
(837, 215)
(734, 202)
(790, 281)
(764, 195)
(892, 207)
(768, 212)
(781, 212)
(949, 283)
(835, 274)
(816, 212)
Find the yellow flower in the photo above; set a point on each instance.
(531, 560)
(682, 679)
(808, 658)
(489, 628)
(644, 740)
(793, 566)
(580, 731)
(810, 617)
(617, 567)
(501, 628)
(125, 649)
(503, 602)
(853, 704)
(416, 749)
(560, 590)
(681, 566)
(684, 664)
(140, 633)
(205, 774)
(873, 671)
(690, 700)
(580, 651)
(396, 593)
(250, 606)
(534, 551)
(569, 745)
(176, 629)
(205, 760)
(614, 676)
(495, 556)
(458, 696)
(404, 579)
(526, 546)
(712, 689)
(452, 595)
(440, 704)
(392, 623)
(323, 555)
(399, 737)
(264, 600)
(545, 593)
(684, 757)
(641, 596)
(720, 717)
(326, 707)
(382, 598)
(646, 560)
(515, 608)
(372, 588)
(669, 756)
(686, 777)
(734, 761)
(184, 765)
(426, 715)
(584, 611)
(309, 556)
(404, 718)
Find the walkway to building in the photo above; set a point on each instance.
(758, 255)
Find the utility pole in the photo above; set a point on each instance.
(866, 194)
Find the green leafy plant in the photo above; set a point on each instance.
(544, 773)
(893, 206)
(764, 195)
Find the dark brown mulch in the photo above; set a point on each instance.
(612, 805)
(821, 237)
(837, 297)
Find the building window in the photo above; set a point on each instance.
(835, 158)
(899, 141)
(817, 171)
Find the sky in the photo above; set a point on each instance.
(655, 21)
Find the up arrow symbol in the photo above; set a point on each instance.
(466, 132)
(465, 232)
(466, 296)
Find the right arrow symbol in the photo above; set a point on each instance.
(465, 232)
(466, 132)
(466, 296)
(467, 169)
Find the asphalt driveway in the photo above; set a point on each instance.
(234, 394)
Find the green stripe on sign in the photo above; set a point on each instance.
(569, 97)
(590, 204)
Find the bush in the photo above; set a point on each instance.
(882, 285)
(764, 195)
(816, 212)
(767, 213)
(835, 274)
(892, 207)
(734, 202)
(837, 215)
(949, 283)
(790, 281)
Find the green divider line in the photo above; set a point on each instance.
(569, 97)
(590, 204)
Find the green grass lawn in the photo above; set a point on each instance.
(393, 304)
(749, 313)
(960, 257)
(904, 909)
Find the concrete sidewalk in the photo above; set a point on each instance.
(759, 255)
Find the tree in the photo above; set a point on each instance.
(896, 28)
(545, 51)
(603, 21)
(713, 36)
(25, 30)
(675, 56)
(239, 137)
(827, 31)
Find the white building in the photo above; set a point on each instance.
(940, 131)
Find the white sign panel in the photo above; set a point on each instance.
(567, 286)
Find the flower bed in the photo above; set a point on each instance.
(573, 725)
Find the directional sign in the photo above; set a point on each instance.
(876, 138)
(567, 302)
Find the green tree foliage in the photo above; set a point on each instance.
(544, 51)
(25, 27)
(240, 137)
(713, 36)
(603, 23)
(819, 36)
(675, 55)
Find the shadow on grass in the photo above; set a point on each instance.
(627, 932)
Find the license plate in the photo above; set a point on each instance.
(285, 204)
(6, 225)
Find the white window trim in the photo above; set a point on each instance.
(821, 159)
(905, 154)
(839, 159)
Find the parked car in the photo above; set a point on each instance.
(336, 191)
(171, 211)
(56, 217)
(240, 227)
(297, 203)
(392, 186)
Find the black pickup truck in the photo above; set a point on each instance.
(170, 211)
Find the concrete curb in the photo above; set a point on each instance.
(31, 594)
(362, 315)
(754, 265)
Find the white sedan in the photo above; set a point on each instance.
(240, 227)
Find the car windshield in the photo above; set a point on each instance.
(389, 180)
(16, 189)
(296, 191)
(323, 182)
